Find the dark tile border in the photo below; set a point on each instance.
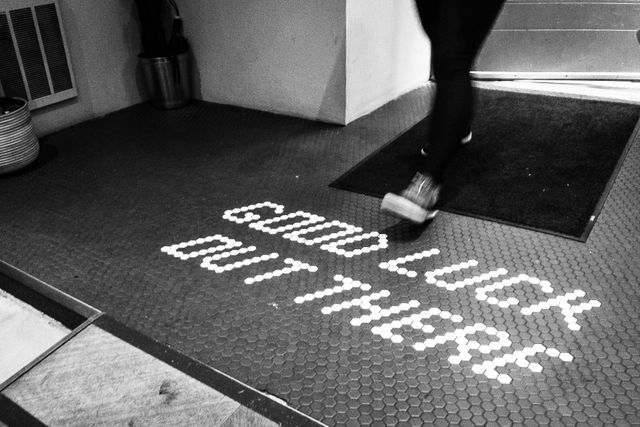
(67, 310)
(13, 415)
(76, 315)
(241, 393)
(15, 377)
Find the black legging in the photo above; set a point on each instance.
(456, 29)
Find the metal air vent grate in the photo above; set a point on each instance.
(35, 64)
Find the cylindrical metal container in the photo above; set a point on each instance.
(167, 80)
(18, 141)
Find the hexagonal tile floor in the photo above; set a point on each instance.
(213, 230)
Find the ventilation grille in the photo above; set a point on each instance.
(35, 60)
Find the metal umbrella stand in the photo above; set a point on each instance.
(165, 62)
(167, 80)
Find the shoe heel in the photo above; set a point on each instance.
(402, 208)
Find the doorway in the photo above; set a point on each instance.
(573, 40)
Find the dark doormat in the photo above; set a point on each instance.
(538, 162)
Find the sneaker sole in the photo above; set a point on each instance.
(467, 139)
(402, 208)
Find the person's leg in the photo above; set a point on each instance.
(457, 31)
(428, 13)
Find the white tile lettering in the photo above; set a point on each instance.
(335, 247)
(519, 358)
(347, 284)
(347, 229)
(179, 250)
(295, 266)
(248, 212)
(221, 254)
(393, 264)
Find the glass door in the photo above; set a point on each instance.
(543, 39)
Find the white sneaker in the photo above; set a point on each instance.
(416, 202)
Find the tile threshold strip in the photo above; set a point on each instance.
(242, 393)
(77, 316)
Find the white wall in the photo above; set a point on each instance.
(284, 56)
(103, 40)
(327, 60)
(387, 53)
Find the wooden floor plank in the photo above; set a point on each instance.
(98, 379)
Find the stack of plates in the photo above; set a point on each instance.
(18, 141)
